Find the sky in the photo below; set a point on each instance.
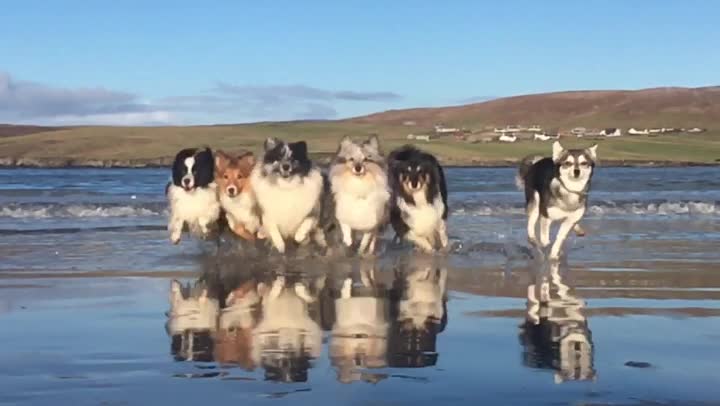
(190, 62)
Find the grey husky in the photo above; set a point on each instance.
(556, 189)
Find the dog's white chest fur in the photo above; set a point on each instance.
(566, 204)
(191, 206)
(422, 217)
(241, 209)
(361, 204)
(287, 202)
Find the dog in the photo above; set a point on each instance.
(286, 338)
(192, 194)
(556, 189)
(192, 321)
(419, 207)
(555, 333)
(237, 199)
(360, 332)
(234, 340)
(359, 185)
(289, 190)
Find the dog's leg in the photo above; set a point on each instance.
(420, 242)
(579, 231)
(365, 242)
(277, 287)
(545, 224)
(346, 234)
(562, 234)
(367, 276)
(302, 292)
(442, 232)
(533, 212)
(346, 291)
(373, 242)
(305, 227)
(275, 236)
(319, 237)
(239, 229)
(175, 227)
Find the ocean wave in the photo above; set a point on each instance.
(607, 208)
(44, 211)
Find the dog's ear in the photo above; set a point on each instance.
(374, 142)
(557, 151)
(271, 143)
(592, 152)
(203, 296)
(300, 149)
(221, 160)
(346, 140)
(250, 158)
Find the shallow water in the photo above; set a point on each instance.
(631, 316)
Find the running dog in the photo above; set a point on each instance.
(232, 175)
(359, 185)
(556, 189)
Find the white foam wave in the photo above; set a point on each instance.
(77, 211)
(607, 209)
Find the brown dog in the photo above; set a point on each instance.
(236, 195)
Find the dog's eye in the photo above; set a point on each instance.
(584, 164)
(567, 164)
(226, 177)
(239, 176)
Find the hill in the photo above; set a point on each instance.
(662, 107)
(659, 107)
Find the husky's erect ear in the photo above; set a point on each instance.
(346, 140)
(271, 143)
(557, 151)
(300, 149)
(592, 152)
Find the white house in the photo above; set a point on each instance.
(634, 131)
(696, 130)
(534, 128)
(579, 131)
(410, 136)
(441, 129)
(611, 132)
(655, 131)
(425, 138)
(541, 137)
(507, 138)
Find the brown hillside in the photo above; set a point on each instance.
(11, 130)
(669, 106)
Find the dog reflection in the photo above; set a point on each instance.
(555, 334)
(360, 332)
(420, 297)
(234, 339)
(192, 322)
(286, 338)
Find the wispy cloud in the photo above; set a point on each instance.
(32, 102)
(476, 99)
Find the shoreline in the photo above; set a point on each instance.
(74, 163)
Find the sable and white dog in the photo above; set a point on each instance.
(237, 199)
(192, 194)
(419, 207)
(424, 294)
(359, 185)
(289, 188)
(556, 189)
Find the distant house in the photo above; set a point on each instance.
(696, 130)
(541, 137)
(410, 136)
(667, 130)
(611, 132)
(441, 129)
(535, 128)
(507, 138)
(635, 131)
(507, 129)
(655, 131)
(409, 123)
(425, 138)
(579, 131)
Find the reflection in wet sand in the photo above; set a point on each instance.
(274, 320)
(555, 334)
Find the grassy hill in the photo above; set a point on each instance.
(672, 107)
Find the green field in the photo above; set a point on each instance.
(150, 144)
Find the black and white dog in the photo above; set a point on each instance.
(556, 189)
(192, 194)
(419, 208)
(289, 190)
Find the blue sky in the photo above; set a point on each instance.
(153, 62)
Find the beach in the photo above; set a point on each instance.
(629, 317)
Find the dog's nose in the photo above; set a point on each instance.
(414, 183)
(576, 172)
(231, 191)
(285, 167)
(358, 168)
(186, 182)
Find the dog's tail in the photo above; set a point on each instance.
(523, 169)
